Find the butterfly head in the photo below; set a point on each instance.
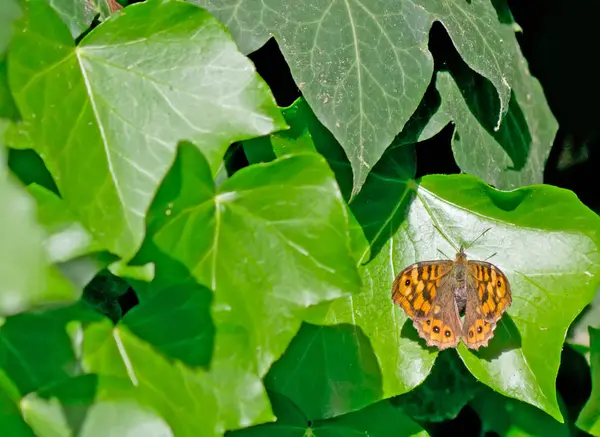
(461, 255)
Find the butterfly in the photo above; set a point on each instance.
(434, 293)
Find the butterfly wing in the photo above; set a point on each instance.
(488, 296)
(425, 291)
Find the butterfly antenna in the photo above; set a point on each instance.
(480, 235)
(493, 254)
(445, 236)
(443, 254)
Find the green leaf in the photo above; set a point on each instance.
(10, 10)
(589, 418)
(27, 277)
(283, 225)
(507, 417)
(183, 397)
(327, 371)
(447, 389)
(545, 241)
(92, 406)
(92, 126)
(11, 421)
(185, 308)
(515, 154)
(77, 15)
(40, 349)
(379, 420)
(364, 67)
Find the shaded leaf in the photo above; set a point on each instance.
(379, 420)
(327, 371)
(589, 418)
(364, 66)
(283, 228)
(92, 126)
(443, 394)
(11, 421)
(185, 308)
(508, 417)
(26, 337)
(515, 154)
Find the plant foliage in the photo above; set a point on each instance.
(182, 256)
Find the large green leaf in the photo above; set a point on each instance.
(106, 115)
(589, 418)
(545, 240)
(364, 66)
(282, 228)
(184, 398)
(515, 154)
(379, 420)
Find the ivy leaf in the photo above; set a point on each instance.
(589, 418)
(364, 79)
(508, 417)
(82, 105)
(515, 154)
(379, 420)
(543, 239)
(316, 369)
(283, 225)
(49, 334)
(27, 278)
(10, 10)
(11, 421)
(110, 406)
(185, 398)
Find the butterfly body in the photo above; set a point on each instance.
(434, 294)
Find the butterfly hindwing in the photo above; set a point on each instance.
(442, 327)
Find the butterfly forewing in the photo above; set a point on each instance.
(425, 292)
(488, 296)
(416, 287)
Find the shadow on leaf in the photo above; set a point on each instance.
(506, 338)
(327, 371)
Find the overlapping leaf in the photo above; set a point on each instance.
(515, 154)
(184, 398)
(27, 276)
(379, 420)
(106, 115)
(110, 407)
(507, 417)
(282, 228)
(364, 66)
(589, 418)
